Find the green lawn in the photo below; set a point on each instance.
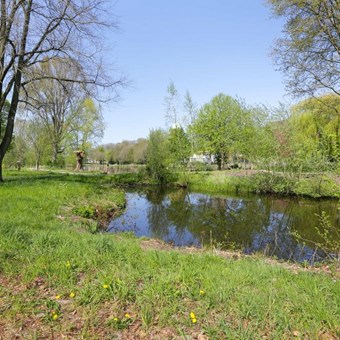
(60, 277)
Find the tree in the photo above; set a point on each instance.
(317, 128)
(179, 147)
(179, 144)
(223, 127)
(309, 52)
(157, 156)
(59, 104)
(88, 125)
(190, 109)
(36, 31)
(38, 139)
(172, 101)
(18, 151)
(3, 118)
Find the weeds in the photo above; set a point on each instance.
(329, 236)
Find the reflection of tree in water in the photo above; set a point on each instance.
(156, 195)
(275, 237)
(252, 223)
(228, 220)
(171, 211)
(158, 221)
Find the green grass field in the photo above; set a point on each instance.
(60, 277)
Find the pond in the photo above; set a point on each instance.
(251, 223)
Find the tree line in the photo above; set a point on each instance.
(51, 71)
(304, 137)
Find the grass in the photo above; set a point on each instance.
(314, 185)
(60, 278)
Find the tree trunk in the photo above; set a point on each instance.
(55, 154)
(1, 179)
(7, 138)
(80, 158)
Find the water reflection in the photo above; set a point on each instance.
(253, 224)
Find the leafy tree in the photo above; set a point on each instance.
(190, 110)
(34, 31)
(223, 127)
(157, 157)
(59, 104)
(179, 146)
(316, 127)
(87, 127)
(38, 140)
(262, 144)
(139, 153)
(309, 52)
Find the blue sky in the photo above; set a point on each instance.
(206, 47)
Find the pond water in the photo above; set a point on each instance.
(251, 223)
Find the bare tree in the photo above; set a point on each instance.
(309, 52)
(34, 31)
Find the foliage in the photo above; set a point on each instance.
(126, 152)
(38, 33)
(308, 53)
(157, 157)
(329, 236)
(87, 128)
(316, 128)
(179, 147)
(223, 128)
(264, 183)
(67, 115)
(85, 211)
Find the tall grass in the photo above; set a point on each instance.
(264, 183)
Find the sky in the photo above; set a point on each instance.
(204, 46)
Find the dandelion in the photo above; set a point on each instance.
(202, 292)
(105, 286)
(55, 316)
(193, 317)
(115, 319)
(128, 316)
(58, 297)
(72, 295)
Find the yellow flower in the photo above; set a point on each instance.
(127, 315)
(115, 319)
(202, 292)
(192, 315)
(193, 320)
(58, 297)
(105, 286)
(72, 295)
(68, 264)
(55, 316)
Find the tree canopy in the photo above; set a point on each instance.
(309, 51)
(222, 127)
(35, 31)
